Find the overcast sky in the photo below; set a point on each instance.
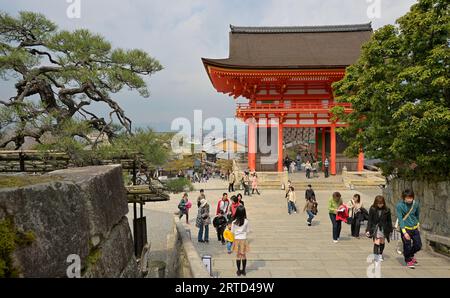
(179, 32)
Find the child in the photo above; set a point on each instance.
(311, 210)
(229, 237)
(182, 206)
(379, 226)
(220, 223)
(240, 228)
(291, 200)
(408, 222)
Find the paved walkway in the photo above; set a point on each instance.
(283, 245)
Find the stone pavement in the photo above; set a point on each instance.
(282, 245)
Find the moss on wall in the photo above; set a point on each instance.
(21, 181)
(10, 239)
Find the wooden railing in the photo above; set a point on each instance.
(299, 106)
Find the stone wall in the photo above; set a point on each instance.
(183, 260)
(81, 211)
(434, 202)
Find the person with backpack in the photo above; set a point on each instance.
(184, 207)
(311, 210)
(240, 229)
(408, 212)
(220, 222)
(379, 227)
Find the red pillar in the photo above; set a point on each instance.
(280, 146)
(360, 160)
(252, 144)
(323, 147)
(333, 150)
(316, 149)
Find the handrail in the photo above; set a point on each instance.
(247, 106)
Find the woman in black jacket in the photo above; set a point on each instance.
(379, 226)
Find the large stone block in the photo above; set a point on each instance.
(104, 192)
(56, 215)
(74, 211)
(113, 256)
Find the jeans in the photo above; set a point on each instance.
(229, 245)
(326, 172)
(231, 187)
(310, 215)
(291, 207)
(200, 233)
(299, 165)
(410, 247)
(336, 226)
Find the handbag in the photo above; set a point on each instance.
(349, 220)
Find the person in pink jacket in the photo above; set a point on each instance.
(255, 183)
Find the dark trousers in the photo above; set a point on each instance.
(220, 231)
(326, 172)
(336, 226)
(356, 225)
(410, 247)
(184, 213)
(308, 173)
(246, 190)
(230, 187)
(253, 190)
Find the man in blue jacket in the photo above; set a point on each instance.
(408, 221)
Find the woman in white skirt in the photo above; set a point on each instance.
(240, 228)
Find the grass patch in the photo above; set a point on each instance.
(21, 181)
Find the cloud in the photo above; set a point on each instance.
(179, 32)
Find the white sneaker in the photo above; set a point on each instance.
(295, 212)
(335, 241)
(381, 258)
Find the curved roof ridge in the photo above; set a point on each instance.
(302, 29)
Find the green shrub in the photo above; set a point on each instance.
(179, 185)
